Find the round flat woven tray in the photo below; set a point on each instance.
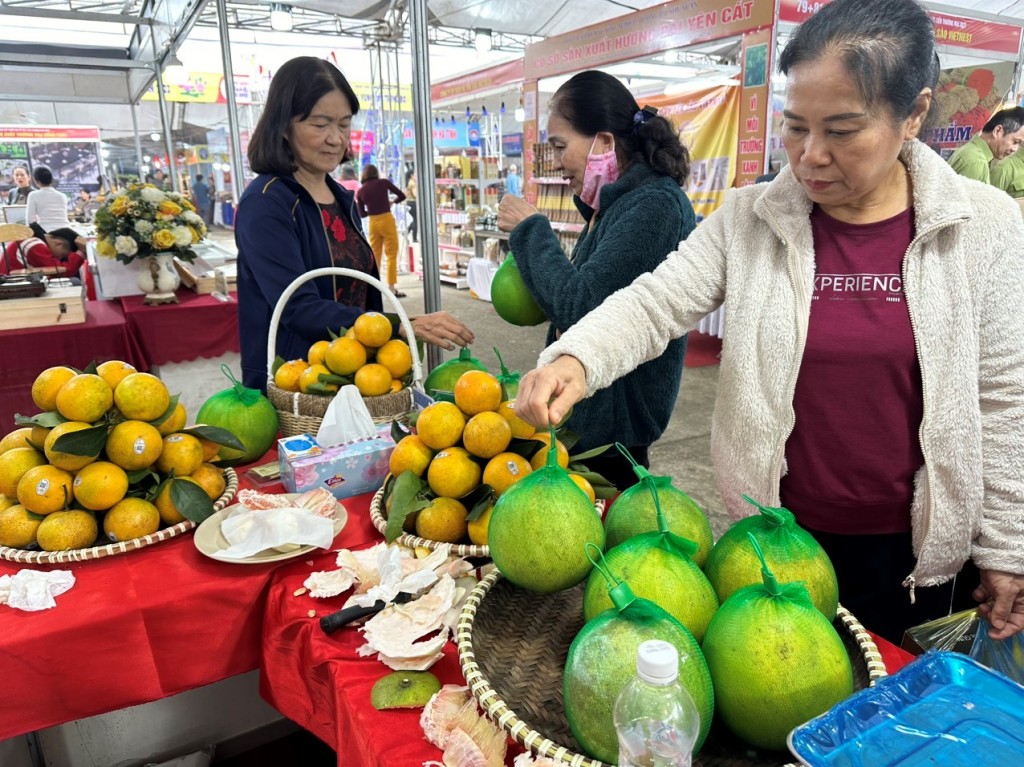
(113, 549)
(414, 541)
(301, 413)
(512, 650)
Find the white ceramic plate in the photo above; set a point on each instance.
(211, 542)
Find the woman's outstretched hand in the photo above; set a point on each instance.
(546, 394)
(441, 329)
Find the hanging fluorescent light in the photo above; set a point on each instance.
(483, 40)
(280, 17)
(520, 113)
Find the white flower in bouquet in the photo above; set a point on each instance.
(143, 227)
(182, 236)
(191, 218)
(126, 246)
(152, 194)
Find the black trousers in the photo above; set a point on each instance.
(412, 220)
(871, 570)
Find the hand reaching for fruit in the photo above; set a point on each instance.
(441, 329)
(547, 393)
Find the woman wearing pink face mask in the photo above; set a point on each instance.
(626, 167)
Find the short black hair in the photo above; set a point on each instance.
(294, 91)
(887, 46)
(1011, 120)
(199, 177)
(592, 102)
(42, 175)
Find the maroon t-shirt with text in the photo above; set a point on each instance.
(855, 449)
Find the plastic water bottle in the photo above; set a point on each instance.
(655, 717)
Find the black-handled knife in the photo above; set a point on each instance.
(334, 621)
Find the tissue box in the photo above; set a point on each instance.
(346, 470)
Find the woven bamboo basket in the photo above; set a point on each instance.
(300, 413)
(414, 541)
(123, 547)
(512, 650)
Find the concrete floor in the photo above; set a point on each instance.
(683, 452)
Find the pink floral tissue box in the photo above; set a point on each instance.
(346, 470)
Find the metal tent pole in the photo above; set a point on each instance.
(425, 164)
(138, 142)
(237, 168)
(165, 124)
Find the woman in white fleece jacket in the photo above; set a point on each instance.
(872, 377)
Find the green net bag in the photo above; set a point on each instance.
(776, 661)
(443, 377)
(789, 550)
(509, 379)
(602, 660)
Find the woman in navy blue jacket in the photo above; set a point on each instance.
(294, 218)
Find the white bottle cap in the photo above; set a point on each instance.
(657, 662)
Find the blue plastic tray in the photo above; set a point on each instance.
(942, 710)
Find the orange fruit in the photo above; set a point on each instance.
(287, 376)
(86, 397)
(584, 484)
(45, 489)
(114, 371)
(65, 530)
(396, 385)
(67, 461)
(176, 421)
(345, 356)
(141, 397)
(18, 527)
(18, 438)
(520, 428)
(540, 458)
(131, 518)
(477, 391)
(211, 479)
(453, 473)
(477, 528)
(181, 454)
(372, 329)
(210, 449)
(410, 454)
(396, 357)
(100, 485)
(134, 445)
(486, 434)
(440, 425)
(504, 470)
(443, 520)
(318, 352)
(169, 513)
(13, 465)
(48, 383)
(311, 375)
(373, 380)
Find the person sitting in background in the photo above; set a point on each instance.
(84, 198)
(1009, 175)
(374, 200)
(294, 218)
(56, 249)
(1001, 137)
(202, 200)
(22, 186)
(46, 206)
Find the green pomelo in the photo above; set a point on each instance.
(634, 513)
(444, 376)
(404, 689)
(790, 551)
(602, 660)
(670, 580)
(776, 663)
(511, 298)
(248, 415)
(539, 529)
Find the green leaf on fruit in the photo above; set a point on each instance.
(91, 368)
(190, 500)
(588, 454)
(407, 497)
(569, 438)
(46, 420)
(602, 487)
(527, 448)
(159, 421)
(136, 477)
(397, 432)
(278, 362)
(217, 435)
(85, 442)
(478, 501)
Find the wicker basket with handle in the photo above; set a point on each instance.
(301, 413)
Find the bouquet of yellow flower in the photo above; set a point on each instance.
(143, 220)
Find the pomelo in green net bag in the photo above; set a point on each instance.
(247, 414)
(539, 529)
(602, 660)
(511, 298)
(776, 661)
(659, 567)
(790, 551)
(633, 512)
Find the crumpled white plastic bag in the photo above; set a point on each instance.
(33, 590)
(250, 532)
(346, 419)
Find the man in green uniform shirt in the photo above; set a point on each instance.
(1009, 175)
(1001, 136)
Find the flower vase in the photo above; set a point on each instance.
(158, 278)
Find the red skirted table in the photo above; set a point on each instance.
(197, 326)
(25, 352)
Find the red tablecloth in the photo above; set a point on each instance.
(197, 326)
(24, 353)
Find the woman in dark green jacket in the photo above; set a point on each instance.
(626, 168)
